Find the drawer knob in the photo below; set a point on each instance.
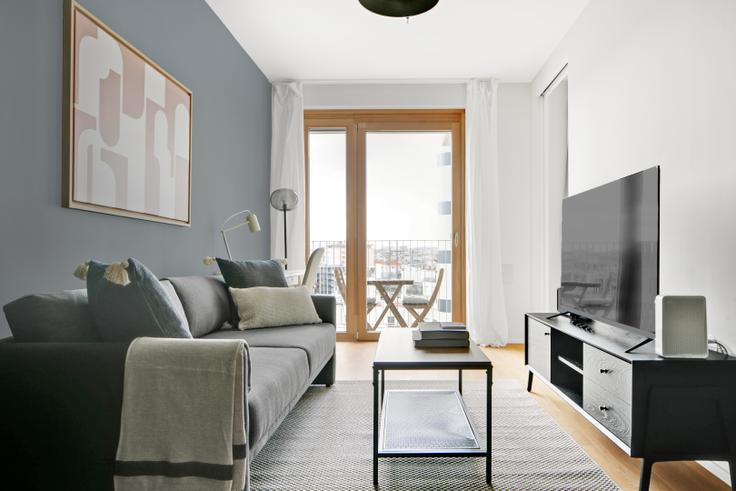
(603, 408)
(605, 370)
(546, 334)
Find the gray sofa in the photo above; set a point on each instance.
(60, 416)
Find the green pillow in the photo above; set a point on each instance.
(247, 274)
(123, 312)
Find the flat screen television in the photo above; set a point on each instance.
(610, 253)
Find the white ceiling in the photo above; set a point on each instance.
(340, 40)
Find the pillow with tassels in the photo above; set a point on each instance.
(127, 301)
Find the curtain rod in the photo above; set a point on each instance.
(405, 81)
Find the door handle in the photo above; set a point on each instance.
(456, 239)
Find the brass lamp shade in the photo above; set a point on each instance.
(398, 8)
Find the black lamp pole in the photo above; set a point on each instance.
(286, 254)
(284, 200)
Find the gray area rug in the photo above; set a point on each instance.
(326, 444)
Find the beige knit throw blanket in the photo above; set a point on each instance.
(184, 416)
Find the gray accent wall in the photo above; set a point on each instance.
(40, 242)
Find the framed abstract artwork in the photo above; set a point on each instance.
(127, 127)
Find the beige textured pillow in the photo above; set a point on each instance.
(265, 306)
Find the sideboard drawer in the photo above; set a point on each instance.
(539, 347)
(607, 409)
(611, 373)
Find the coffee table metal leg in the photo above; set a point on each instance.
(489, 427)
(375, 426)
(383, 385)
(460, 381)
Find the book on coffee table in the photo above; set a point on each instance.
(420, 341)
(434, 333)
(449, 326)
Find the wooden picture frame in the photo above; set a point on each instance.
(127, 127)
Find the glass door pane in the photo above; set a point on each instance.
(327, 212)
(409, 182)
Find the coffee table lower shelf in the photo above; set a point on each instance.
(426, 423)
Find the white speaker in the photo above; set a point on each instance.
(680, 326)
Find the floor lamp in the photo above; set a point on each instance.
(284, 200)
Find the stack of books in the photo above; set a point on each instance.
(441, 335)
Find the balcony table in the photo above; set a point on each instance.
(382, 287)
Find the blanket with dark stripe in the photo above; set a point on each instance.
(184, 416)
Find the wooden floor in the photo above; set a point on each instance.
(354, 363)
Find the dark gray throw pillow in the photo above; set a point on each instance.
(62, 317)
(140, 308)
(247, 274)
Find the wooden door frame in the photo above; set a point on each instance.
(357, 123)
(348, 125)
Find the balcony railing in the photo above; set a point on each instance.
(416, 260)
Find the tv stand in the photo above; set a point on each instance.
(639, 345)
(657, 409)
(575, 319)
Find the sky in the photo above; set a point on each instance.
(404, 183)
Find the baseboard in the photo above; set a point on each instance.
(719, 469)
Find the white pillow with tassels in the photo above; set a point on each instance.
(265, 306)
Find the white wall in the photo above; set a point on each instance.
(653, 82)
(515, 169)
(515, 158)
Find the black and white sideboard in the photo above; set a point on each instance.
(653, 408)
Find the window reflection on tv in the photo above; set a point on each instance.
(610, 252)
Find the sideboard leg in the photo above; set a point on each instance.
(646, 474)
(732, 471)
(529, 382)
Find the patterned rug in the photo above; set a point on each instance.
(326, 443)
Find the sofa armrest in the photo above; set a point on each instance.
(326, 307)
(60, 415)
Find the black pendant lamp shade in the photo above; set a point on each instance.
(399, 8)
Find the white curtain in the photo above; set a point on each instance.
(287, 169)
(486, 304)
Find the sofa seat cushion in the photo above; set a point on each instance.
(278, 378)
(317, 341)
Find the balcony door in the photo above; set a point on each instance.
(386, 201)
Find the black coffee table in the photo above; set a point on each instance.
(425, 423)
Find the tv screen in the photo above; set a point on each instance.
(610, 252)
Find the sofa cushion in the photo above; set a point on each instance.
(278, 378)
(316, 340)
(123, 312)
(264, 306)
(247, 274)
(62, 317)
(205, 300)
(175, 301)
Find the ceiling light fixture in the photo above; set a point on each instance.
(399, 8)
